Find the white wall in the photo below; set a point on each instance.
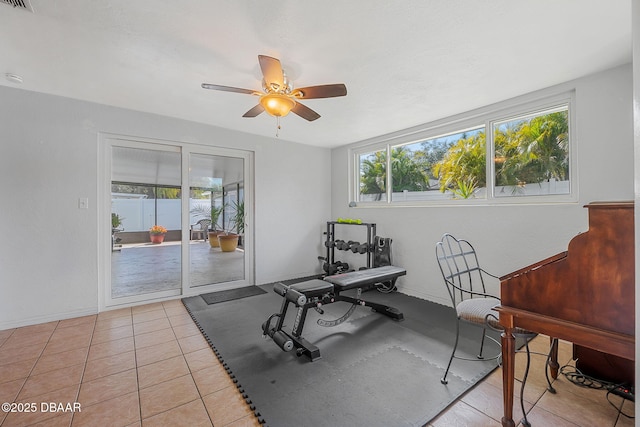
(48, 160)
(511, 237)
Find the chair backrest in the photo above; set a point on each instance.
(460, 269)
(204, 224)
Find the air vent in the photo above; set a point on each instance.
(22, 4)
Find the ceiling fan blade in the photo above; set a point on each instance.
(227, 88)
(305, 112)
(254, 111)
(321, 91)
(272, 71)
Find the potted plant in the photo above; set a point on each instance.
(156, 234)
(238, 220)
(214, 213)
(116, 223)
(229, 241)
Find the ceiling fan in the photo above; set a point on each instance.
(279, 97)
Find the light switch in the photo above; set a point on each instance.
(83, 203)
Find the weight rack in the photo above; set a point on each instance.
(330, 240)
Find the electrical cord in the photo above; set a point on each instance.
(575, 376)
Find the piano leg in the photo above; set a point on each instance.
(554, 366)
(508, 372)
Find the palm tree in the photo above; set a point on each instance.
(463, 168)
(373, 174)
(407, 172)
(534, 150)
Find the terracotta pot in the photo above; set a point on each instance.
(213, 238)
(156, 238)
(228, 242)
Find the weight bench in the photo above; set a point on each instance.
(316, 293)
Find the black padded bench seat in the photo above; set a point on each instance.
(312, 288)
(358, 279)
(317, 293)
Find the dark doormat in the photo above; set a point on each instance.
(374, 371)
(232, 294)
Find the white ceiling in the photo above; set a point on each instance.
(404, 62)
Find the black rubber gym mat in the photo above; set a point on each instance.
(374, 371)
(231, 294)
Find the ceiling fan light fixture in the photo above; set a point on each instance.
(276, 104)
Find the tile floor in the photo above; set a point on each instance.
(150, 366)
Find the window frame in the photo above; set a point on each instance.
(485, 117)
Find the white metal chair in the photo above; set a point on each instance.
(465, 281)
(200, 229)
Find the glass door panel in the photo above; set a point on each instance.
(145, 193)
(209, 207)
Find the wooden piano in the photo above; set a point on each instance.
(584, 295)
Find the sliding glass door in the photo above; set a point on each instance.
(170, 207)
(215, 257)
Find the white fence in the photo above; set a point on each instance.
(541, 189)
(139, 214)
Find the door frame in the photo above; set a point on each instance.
(105, 142)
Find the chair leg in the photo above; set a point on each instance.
(443, 380)
(484, 334)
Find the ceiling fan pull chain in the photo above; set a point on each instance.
(278, 127)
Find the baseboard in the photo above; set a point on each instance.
(419, 293)
(48, 318)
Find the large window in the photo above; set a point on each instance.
(532, 154)
(373, 176)
(518, 154)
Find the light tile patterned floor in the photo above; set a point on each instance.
(146, 365)
(150, 366)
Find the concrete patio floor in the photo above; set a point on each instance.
(144, 268)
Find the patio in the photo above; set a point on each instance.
(144, 267)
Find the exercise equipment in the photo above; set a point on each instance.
(348, 221)
(360, 249)
(377, 250)
(335, 268)
(330, 244)
(382, 256)
(364, 248)
(353, 247)
(316, 293)
(344, 246)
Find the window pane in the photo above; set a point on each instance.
(141, 206)
(445, 167)
(532, 154)
(373, 176)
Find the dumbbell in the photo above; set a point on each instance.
(343, 266)
(332, 269)
(354, 246)
(362, 249)
(342, 245)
